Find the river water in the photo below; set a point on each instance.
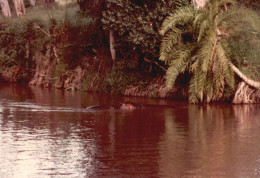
(49, 133)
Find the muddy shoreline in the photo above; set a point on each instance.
(90, 75)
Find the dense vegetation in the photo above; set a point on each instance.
(63, 33)
(116, 44)
(198, 41)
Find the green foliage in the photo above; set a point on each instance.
(120, 78)
(76, 38)
(60, 70)
(92, 8)
(199, 41)
(137, 22)
(92, 81)
(64, 32)
(245, 47)
(17, 40)
(252, 4)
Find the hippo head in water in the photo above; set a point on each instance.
(129, 106)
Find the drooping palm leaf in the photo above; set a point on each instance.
(176, 67)
(184, 15)
(203, 55)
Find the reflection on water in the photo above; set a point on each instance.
(50, 133)
(214, 141)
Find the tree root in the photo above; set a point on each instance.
(248, 89)
(246, 94)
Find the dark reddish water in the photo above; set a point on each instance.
(49, 133)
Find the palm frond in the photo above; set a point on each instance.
(218, 79)
(205, 57)
(181, 16)
(204, 54)
(172, 43)
(197, 85)
(203, 28)
(176, 67)
(168, 42)
(199, 18)
(207, 51)
(209, 88)
(224, 64)
(216, 6)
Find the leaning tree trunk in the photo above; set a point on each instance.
(19, 7)
(248, 89)
(5, 8)
(248, 81)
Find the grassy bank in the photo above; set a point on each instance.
(58, 47)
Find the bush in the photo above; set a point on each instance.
(64, 32)
(120, 78)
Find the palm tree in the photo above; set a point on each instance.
(194, 40)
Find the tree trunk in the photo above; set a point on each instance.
(5, 8)
(198, 4)
(112, 45)
(248, 81)
(19, 7)
(33, 2)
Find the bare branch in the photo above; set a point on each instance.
(156, 63)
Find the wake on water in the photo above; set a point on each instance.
(33, 107)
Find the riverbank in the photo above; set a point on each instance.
(62, 49)
(65, 49)
(92, 74)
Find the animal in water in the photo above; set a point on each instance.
(128, 106)
(120, 106)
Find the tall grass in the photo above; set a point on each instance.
(62, 27)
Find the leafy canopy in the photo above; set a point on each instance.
(137, 22)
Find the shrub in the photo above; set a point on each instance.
(120, 78)
(71, 35)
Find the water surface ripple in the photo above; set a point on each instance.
(50, 133)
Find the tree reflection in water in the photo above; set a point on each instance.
(48, 133)
(211, 140)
